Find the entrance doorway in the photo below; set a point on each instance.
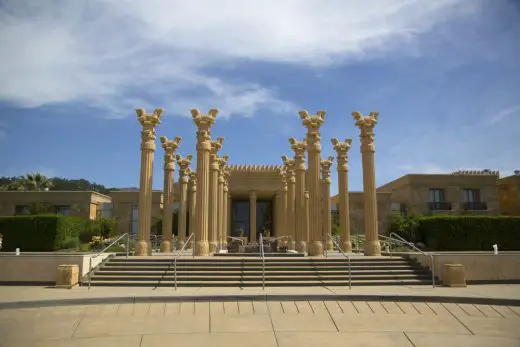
(240, 218)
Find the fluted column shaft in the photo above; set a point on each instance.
(325, 201)
(184, 171)
(193, 204)
(214, 195)
(306, 219)
(290, 219)
(203, 123)
(229, 216)
(299, 148)
(148, 123)
(225, 212)
(313, 142)
(278, 212)
(220, 213)
(366, 125)
(342, 149)
(252, 216)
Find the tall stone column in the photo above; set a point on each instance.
(213, 194)
(169, 146)
(306, 219)
(226, 201)
(366, 126)
(290, 218)
(204, 123)
(278, 212)
(148, 123)
(341, 149)
(252, 216)
(283, 207)
(299, 148)
(229, 221)
(193, 205)
(326, 209)
(313, 124)
(184, 171)
(221, 202)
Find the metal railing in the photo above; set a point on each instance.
(179, 254)
(344, 254)
(237, 239)
(398, 239)
(104, 249)
(262, 256)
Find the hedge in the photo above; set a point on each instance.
(464, 233)
(39, 233)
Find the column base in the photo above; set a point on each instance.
(141, 248)
(213, 246)
(201, 248)
(372, 248)
(330, 245)
(301, 247)
(292, 245)
(180, 244)
(315, 248)
(346, 246)
(166, 246)
(224, 245)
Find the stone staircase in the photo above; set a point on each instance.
(247, 272)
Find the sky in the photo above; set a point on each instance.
(444, 76)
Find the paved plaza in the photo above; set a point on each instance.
(153, 320)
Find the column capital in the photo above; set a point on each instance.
(298, 148)
(170, 147)
(341, 149)
(184, 165)
(313, 124)
(148, 123)
(204, 123)
(325, 168)
(193, 180)
(366, 125)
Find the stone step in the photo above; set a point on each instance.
(255, 260)
(255, 273)
(217, 283)
(258, 268)
(241, 264)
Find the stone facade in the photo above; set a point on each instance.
(509, 195)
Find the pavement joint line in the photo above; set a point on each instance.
(261, 297)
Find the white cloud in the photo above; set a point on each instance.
(116, 55)
(503, 114)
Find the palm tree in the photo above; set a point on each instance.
(36, 181)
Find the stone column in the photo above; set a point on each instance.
(278, 212)
(341, 149)
(204, 123)
(290, 217)
(229, 221)
(366, 126)
(193, 204)
(213, 194)
(313, 124)
(252, 216)
(306, 218)
(283, 207)
(148, 123)
(169, 173)
(325, 200)
(221, 202)
(184, 171)
(226, 203)
(299, 148)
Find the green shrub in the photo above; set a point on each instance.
(461, 233)
(46, 232)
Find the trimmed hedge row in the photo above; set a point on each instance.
(463, 233)
(39, 233)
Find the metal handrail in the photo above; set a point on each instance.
(262, 256)
(236, 238)
(396, 238)
(345, 255)
(179, 254)
(103, 250)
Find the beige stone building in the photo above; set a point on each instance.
(461, 192)
(88, 205)
(509, 189)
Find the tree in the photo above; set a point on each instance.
(36, 182)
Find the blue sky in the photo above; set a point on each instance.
(443, 74)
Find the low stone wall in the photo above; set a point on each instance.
(479, 266)
(40, 267)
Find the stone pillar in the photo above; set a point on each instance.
(306, 219)
(290, 218)
(184, 171)
(252, 216)
(366, 126)
(341, 149)
(204, 123)
(193, 204)
(299, 148)
(278, 212)
(221, 202)
(313, 142)
(226, 203)
(229, 221)
(213, 194)
(148, 123)
(169, 173)
(283, 207)
(325, 200)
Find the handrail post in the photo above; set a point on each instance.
(89, 271)
(433, 271)
(127, 245)
(262, 256)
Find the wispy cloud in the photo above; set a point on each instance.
(115, 55)
(505, 113)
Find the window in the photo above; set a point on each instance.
(64, 210)
(436, 195)
(471, 195)
(22, 209)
